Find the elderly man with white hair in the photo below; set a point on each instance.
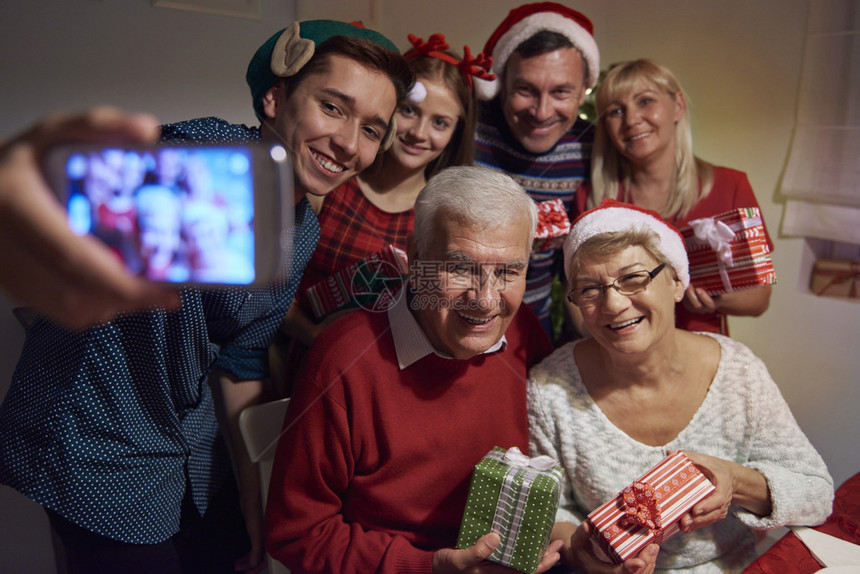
(393, 409)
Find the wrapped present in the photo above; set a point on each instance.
(729, 252)
(650, 509)
(371, 283)
(833, 277)
(515, 496)
(553, 225)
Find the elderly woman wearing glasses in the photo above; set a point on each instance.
(612, 406)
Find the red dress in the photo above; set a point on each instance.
(351, 228)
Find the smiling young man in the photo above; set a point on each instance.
(113, 429)
(545, 57)
(332, 119)
(393, 409)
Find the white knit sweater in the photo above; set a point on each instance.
(743, 418)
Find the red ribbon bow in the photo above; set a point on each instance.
(550, 220)
(641, 506)
(478, 66)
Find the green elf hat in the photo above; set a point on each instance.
(287, 51)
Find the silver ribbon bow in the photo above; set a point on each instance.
(515, 457)
(717, 234)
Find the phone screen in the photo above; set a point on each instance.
(173, 214)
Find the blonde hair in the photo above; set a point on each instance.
(694, 177)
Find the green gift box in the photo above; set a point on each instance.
(515, 496)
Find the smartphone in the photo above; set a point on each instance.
(210, 215)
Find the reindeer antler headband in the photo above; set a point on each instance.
(479, 66)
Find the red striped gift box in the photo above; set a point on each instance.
(371, 283)
(553, 225)
(753, 272)
(729, 252)
(649, 510)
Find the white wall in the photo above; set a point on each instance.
(739, 62)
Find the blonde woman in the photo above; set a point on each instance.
(643, 155)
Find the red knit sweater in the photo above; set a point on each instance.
(373, 470)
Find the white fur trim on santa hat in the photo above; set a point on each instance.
(619, 218)
(525, 29)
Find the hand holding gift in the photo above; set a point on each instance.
(454, 561)
(734, 483)
(729, 252)
(584, 555)
(697, 300)
(515, 497)
(650, 509)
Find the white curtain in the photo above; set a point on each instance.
(822, 178)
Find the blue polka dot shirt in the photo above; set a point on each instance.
(108, 427)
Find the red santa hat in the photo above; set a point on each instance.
(524, 22)
(612, 215)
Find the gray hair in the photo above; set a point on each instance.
(475, 196)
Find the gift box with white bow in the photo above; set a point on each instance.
(729, 252)
(650, 509)
(517, 497)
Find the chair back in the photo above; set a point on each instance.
(260, 426)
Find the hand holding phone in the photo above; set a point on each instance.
(205, 215)
(73, 280)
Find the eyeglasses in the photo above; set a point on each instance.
(629, 284)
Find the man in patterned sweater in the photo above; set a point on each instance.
(113, 429)
(545, 58)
